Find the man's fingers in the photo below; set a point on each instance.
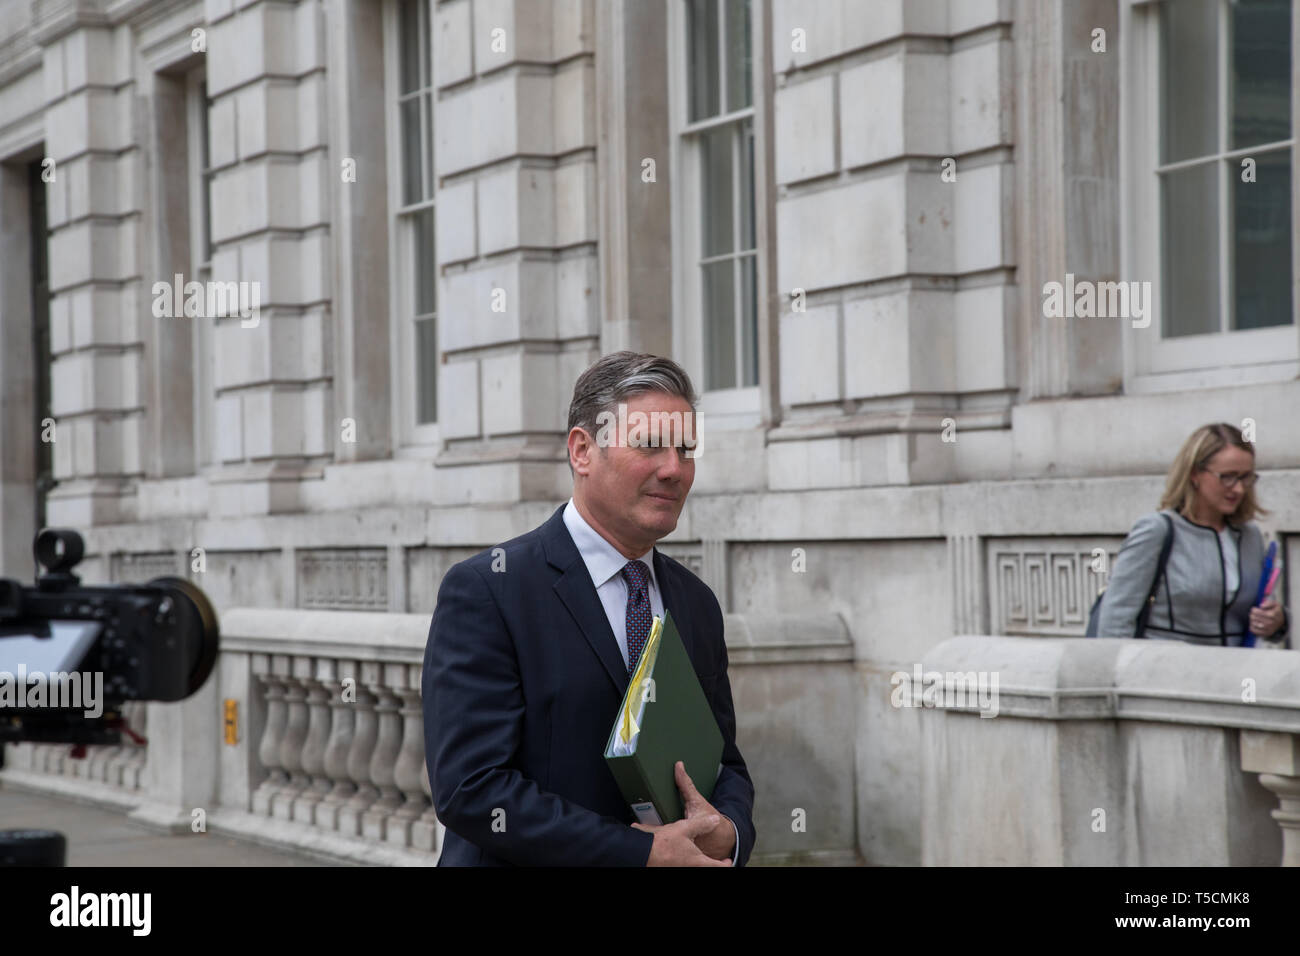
(686, 785)
(683, 778)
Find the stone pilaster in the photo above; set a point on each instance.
(970, 606)
(904, 325)
(361, 289)
(636, 254)
(517, 291)
(270, 226)
(1067, 144)
(94, 216)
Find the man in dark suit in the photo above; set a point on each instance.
(533, 642)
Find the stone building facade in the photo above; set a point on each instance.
(839, 215)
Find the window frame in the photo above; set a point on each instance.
(198, 174)
(410, 438)
(1153, 363)
(741, 406)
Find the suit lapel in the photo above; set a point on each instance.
(576, 591)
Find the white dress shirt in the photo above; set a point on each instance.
(605, 564)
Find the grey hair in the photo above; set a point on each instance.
(614, 377)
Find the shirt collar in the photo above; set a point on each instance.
(603, 560)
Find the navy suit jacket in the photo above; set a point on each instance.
(522, 680)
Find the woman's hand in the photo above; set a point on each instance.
(1266, 618)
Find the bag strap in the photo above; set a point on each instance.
(1140, 630)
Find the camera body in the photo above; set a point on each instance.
(102, 646)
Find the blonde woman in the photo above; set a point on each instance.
(1206, 591)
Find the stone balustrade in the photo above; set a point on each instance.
(326, 752)
(1107, 753)
(330, 752)
(113, 775)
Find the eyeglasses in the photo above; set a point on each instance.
(1229, 479)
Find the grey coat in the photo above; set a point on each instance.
(1189, 603)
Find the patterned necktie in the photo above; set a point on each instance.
(637, 576)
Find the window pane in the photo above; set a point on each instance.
(716, 189)
(749, 320)
(1189, 32)
(1261, 71)
(719, 325)
(1189, 200)
(426, 371)
(408, 36)
(1262, 243)
(205, 177)
(702, 40)
(426, 39)
(428, 145)
(747, 240)
(424, 270)
(739, 63)
(412, 183)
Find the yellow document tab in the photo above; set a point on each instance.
(634, 701)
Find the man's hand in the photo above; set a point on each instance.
(709, 837)
(675, 843)
(719, 840)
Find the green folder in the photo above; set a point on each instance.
(675, 722)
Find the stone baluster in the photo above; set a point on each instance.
(313, 748)
(133, 770)
(80, 766)
(389, 744)
(1287, 815)
(1275, 757)
(40, 759)
(364, 736)
(268, 751)
(426, 832)
(410, 760)
(16, 756)
(115, 771)
(99, 761)
(342, 705)
(57, 761)
(295, 735)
